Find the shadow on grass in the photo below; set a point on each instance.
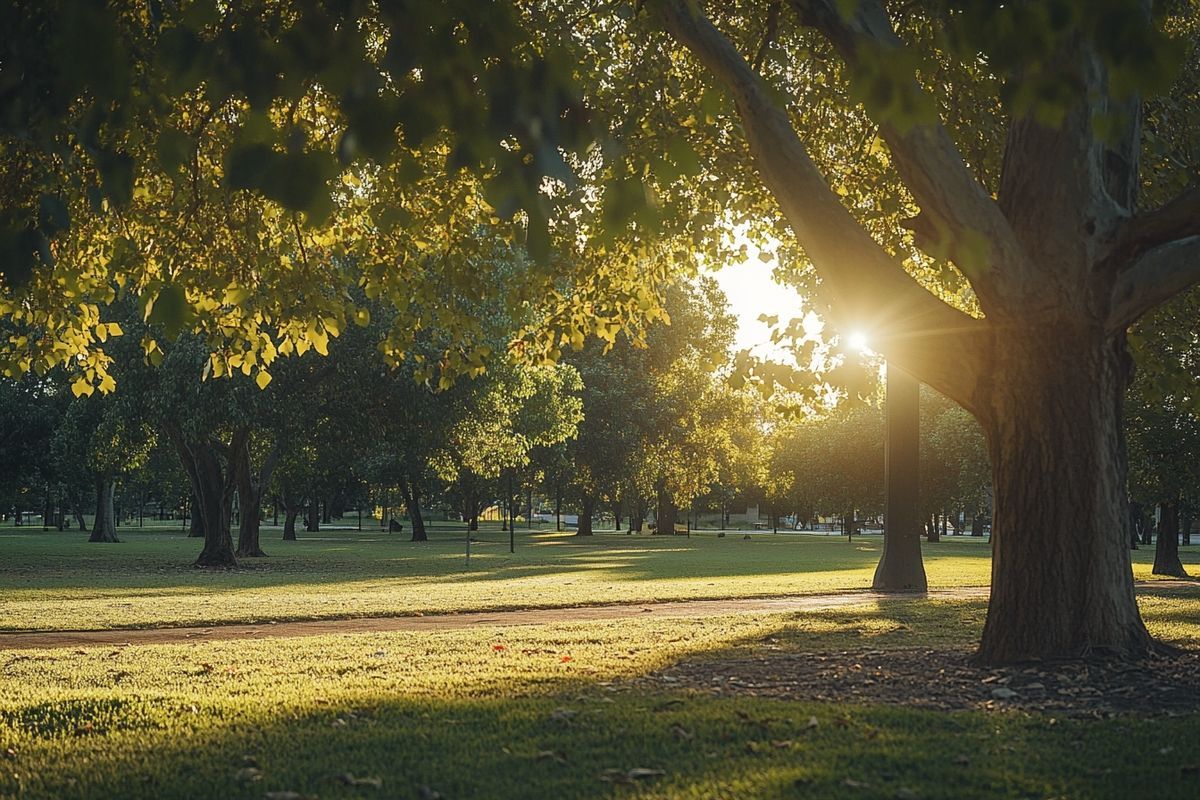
(163, 561)
(580, 738)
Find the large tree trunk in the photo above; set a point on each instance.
(637, 514)
(412, 501)
(1166, 551)
(312, 520)
(667, 514)
(900, 567)
(1062, 582)
(587, 507)
(104, 526)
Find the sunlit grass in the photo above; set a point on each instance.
(60, 581)
(543, 711)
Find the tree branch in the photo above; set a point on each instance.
(928, 161)
(865, 286)
(1154, 278)
(1177, 219)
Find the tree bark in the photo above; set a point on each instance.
(195, 524)
(637, 514)
(412, 501)
(250, 491)
(587, 507)
(667, 514)
(312, 520)
(557, 506)
(104, 526)
(1166, 550)
(212, 488)
(289, 522)
(1062, 581)
(900, 567)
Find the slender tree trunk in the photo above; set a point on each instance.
(931, 529)
(195, 523)
(901, 568)
(1185, 525)
(1062, 583)
(557, 505)
(79, 518)
(250, 492)
(1166, 550)
(587, 508)
(412, 501)
(104, 526)
(637, 518)
(312, 522)
(616, 515)
(290, 513)
(977, 524)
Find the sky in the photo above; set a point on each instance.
(752, 292)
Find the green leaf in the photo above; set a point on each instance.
(116, 175)
(53, 216)
(174, 149)
(170, 309)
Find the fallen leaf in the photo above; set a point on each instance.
(349, 780)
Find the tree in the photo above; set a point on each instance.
(993, 235)
(900, 566)
(1060, 258)
(1163, 418)
(955, 473)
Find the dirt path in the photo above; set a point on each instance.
(535, 616)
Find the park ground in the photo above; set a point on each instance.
(875, 699)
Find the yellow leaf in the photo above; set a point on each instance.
(262, 378)
(81, 387)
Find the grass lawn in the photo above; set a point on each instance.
(552, 711)
(59, 581)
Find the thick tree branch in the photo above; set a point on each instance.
(955, 206)
(863, 284)
(1154, 278)
(1178, 219)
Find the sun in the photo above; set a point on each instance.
(857, 341)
